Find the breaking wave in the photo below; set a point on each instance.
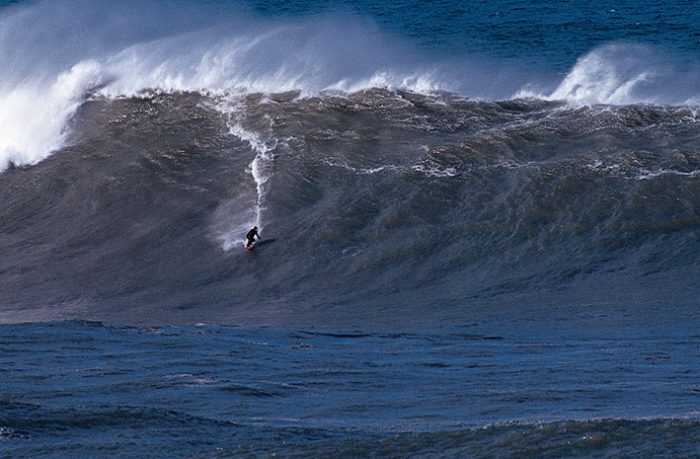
(116, 51)
(627, 74)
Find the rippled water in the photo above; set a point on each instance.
(83, 388)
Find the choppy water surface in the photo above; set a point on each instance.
(83, 389)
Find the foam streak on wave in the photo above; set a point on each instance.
(260, 168)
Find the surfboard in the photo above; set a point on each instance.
(258, 242)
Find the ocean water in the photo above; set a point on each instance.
(479, 229)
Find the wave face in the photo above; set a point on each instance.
(387, 199)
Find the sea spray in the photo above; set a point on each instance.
(30, 130)
(470, 278)
(625, 74)
(228, 51)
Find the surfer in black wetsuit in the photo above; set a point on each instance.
(252, 234)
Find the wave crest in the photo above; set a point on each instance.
(626, 74)
(116, 51)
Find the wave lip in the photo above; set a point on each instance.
(33, 116)
(626, 74)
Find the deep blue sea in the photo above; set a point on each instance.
(479, 226)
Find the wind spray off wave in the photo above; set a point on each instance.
(234, 54)
(115, 50)
(626, 74)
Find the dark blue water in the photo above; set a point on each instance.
(81, 389)
(550, 34)
(480, 229)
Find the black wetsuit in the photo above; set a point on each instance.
(251, 236)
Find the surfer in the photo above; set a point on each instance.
(252, 234)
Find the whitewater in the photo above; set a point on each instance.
(479, 229)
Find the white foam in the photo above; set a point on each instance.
(434, 171)
(363, 170)
(649, 175)
(260, 168)
(425, 82)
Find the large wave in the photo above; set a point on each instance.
(373, 205)
(57, 54)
